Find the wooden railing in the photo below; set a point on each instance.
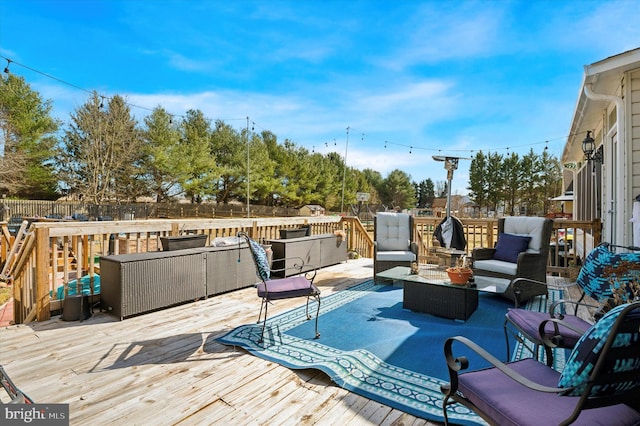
(52, 254)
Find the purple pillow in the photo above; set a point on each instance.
(509, 247)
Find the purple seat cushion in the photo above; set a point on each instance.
(286, 288)
(510, 403)
(529, 322)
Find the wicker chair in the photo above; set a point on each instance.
(518, 262)
(393, 241)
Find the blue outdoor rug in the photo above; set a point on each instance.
(371, 346)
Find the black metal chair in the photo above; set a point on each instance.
(300, 285)
(602, 270)
(600, 381)
(15, 395)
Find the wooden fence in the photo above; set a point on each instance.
(14, 211)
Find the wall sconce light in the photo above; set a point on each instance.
(589, 149)
(588, 146)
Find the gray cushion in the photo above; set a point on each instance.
(393, 231)
(526, 225)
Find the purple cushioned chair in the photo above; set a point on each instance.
(599, 384)
(602, 270)
(281, 288)
(534, 327)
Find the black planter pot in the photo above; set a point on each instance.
(183, 242)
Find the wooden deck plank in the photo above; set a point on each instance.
(166, 366)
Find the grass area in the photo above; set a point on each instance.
(5, 294)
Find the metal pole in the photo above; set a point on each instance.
(344, 171)
(248, 170)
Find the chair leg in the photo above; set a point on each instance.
(506, 338)
(264, 323)
(307, 311)
(445, 403)
(317, 315)
(260, 314)
(534, 350)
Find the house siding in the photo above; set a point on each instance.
(635, 133)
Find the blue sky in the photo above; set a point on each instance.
(428, 77)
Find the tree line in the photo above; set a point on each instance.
(104, 154)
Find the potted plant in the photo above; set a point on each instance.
(460, 273)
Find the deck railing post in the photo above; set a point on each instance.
(43, 311)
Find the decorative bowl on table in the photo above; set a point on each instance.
(458, 275)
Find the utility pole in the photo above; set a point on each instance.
(344, 171)
(248, 169)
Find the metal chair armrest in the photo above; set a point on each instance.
(555, 306)
(300, 266)
(553, 342)
(458, 363)
(531, 285)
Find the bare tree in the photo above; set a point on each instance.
(101, 152)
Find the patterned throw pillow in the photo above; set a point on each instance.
(592, 278)
(263, 271)
(585, 354)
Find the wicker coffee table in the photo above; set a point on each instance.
(431, 292)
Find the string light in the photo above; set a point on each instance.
(386, 142)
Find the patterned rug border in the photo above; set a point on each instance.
(361, 371)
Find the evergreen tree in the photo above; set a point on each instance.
(398, 190)
(478, 180)
(512, 172)
(531, 194)
(495, 184)
(202, 175)
(230, 147)
(550, 179)
(164, 158)
(27, 141)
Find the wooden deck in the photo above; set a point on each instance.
(165, 368)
